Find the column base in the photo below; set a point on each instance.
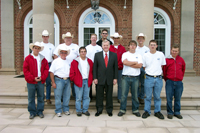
(7, 71)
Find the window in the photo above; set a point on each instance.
(28, 32)
(162, 30)
(94, 22)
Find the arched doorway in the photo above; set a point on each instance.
(28, 31)
(88, 24)
(162, 30)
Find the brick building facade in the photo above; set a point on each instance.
(69, 21)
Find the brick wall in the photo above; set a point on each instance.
(197, 38)
(69, 19)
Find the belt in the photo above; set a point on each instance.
(62, 78)
(153, 75)
(129, 76)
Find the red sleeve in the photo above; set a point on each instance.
(165, 71)
(27, 74)
(72, 71)
(46, 70)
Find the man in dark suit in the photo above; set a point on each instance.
(105, 72)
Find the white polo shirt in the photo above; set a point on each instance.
(60, 68)
(91, 50)
(74, 52)
(47, 52)
(153, 63)
(127, 70)
(142, 50)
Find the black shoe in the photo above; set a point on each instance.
(120, 113)
(141, 101)
(110, 114)
(159, 115)
(41, 115)
(145, 115)
(98, 113)
(179, 116)
(118, 100)
(79, 114)
(169, 116)
(31, 116)
(137, 114)
(87, 113)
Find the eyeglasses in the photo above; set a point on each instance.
(105, 33)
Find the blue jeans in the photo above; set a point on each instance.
(48, 86)
(32, 88)
(141, 87)
(62, 90)
(129, 82)
(174, 89)
(119, 82)
(82, 92)
(153, 86)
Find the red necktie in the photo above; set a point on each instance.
(106, 60)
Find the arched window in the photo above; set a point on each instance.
(94, 22)
(162, 30)
(28, 32)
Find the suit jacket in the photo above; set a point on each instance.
(103, 74)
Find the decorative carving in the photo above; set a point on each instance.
(95, 4)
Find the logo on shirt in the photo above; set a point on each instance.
(180, 63)
(158, 58)
(72, 49)
(136, 57)
(145, 51)
(97, 50)
(49, 48)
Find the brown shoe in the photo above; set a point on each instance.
(141, 101)
(48, 101)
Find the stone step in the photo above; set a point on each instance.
(23, 103)
(24, 95)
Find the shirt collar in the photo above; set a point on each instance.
(104, 53)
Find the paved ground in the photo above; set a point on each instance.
(16, 119)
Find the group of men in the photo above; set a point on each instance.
(141, 72)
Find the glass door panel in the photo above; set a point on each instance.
(30, 38)
(87, 34)
(160, 38)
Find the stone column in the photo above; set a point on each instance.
(187, 32)
(43, 19)
(143, 18)
(7, 38)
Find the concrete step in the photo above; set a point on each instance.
(24, 95)
(23, 103)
